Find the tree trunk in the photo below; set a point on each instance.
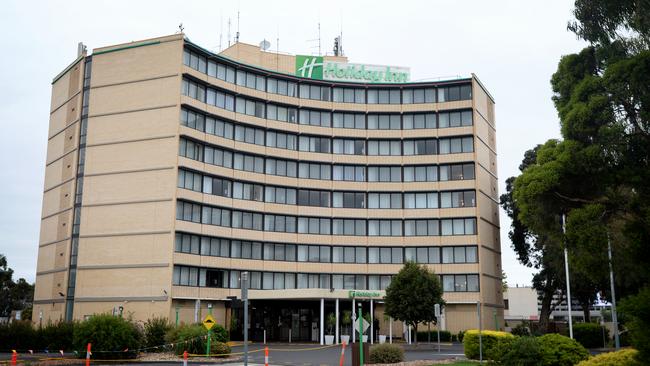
(585, 311)
(416, 333)
(545, 311)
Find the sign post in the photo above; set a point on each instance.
(360, 321)
(208, 323)
(436, 308)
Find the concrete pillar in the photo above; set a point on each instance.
(372, 323)
(390, 330)
(336, 336)
(322, 321)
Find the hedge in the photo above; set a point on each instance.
(590, 335)
(111, 337)
(626, 357)
(490, 340)
(445, 336)
(386, 353)
(558, 350)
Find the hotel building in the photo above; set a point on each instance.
(171, 170)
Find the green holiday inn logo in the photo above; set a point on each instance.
(316, 67)
(309, 67)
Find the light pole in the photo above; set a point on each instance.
(568, 283)
(617, 342)
(244, 297)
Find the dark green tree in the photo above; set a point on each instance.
(13, 295)
(412, 295)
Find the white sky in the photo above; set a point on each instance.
(512, 46)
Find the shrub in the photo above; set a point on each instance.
(386, 353)
(521, 330)
(445, 336)
(626, 357)
(56, 336)
(191, 338)
(558, 350)
(220, 349)
(111, 337)
(490, 339)
(461, 334)
(635, 311)
(17, 335)
(590, 335)
(522, 351)
(155, 330)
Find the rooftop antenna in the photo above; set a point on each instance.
(265, 45)
(314, 40)
(181, 28)
(220, 32)
(237, 34)
(228, 32)
(277, 48)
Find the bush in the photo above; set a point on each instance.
(17, 335)
(191, 338)
(386, 353)
(445, 336)
(521, 330)
(461, 334)
(220, 349)
(111, 337)
(155, 330)
(635, 311)
(626, 357)
(56, 336)
(522, 351)
(558, 350)
(590, 335)
(490, 339)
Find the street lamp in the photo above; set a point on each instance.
(566, 269)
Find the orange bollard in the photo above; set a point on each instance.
(184, 358)
(88, 353)
(266, 356)
(14, 357)
(342, 354)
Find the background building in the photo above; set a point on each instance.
(170, 170)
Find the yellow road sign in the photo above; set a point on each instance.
(209, 322)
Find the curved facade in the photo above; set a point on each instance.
(198, 167)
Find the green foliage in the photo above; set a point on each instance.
(558, 350)
(522, 351)
(520, 330)
(460, 336)
(56, 336)
(590, 335)
(346, 317)
(330, 321)
(220, 349)
(635, 310)
(17, 335)
(155, 330)
(386, 353)
(412, 294)
(110, 336)
(626, 357)
(445, 336)
(192, 338)
(490, 340)
(14, 295)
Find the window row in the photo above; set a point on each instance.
(227, 248)
(320, 198)
(230, 278)
(237, 219)
(324, 171)
(337, 94)
(289, 141)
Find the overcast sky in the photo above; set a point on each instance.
(512, 46)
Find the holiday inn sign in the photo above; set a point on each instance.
(316, 67)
